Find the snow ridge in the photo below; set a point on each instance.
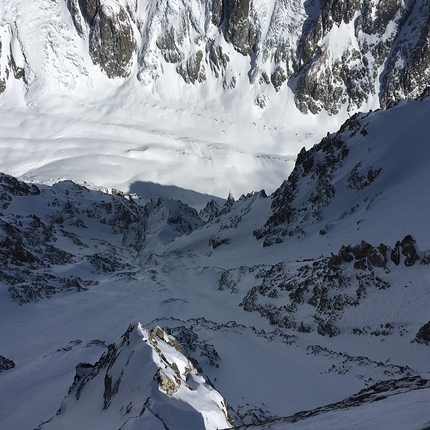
(146, 383)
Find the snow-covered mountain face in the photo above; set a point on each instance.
(310, 296)
(314, 298)
(172, 394)
(333, 54)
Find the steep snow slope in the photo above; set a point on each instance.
(141, 381)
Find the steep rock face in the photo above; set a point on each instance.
(111, 39)
(193, 70)
(10, 187)
(423, 335)
(299, 201)
(11, 64)
(238, 29)
(141, 381)
(334, 55)
(342, 54)
(407, 73)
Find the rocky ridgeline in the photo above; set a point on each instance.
(314, 295)
(332, 54)
(231, 215)
(302, 201)
(42, 228)
(290, 212)
(143, 380)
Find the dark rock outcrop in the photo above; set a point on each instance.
(6, 363)
(408, 248)
(9, 66)
(193, 70)
(330, 285)
(334, 55)
(390, 32)
(423, 335)
(239, 30)
(111, 39)
(10, 186)
(288, 214)
(407, 72)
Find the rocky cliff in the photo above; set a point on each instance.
(141, 381)
(332, 54)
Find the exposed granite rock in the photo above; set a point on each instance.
(287, 214)
(74, 9)
(386, 54)
(278, 77)
(210, 211)
(88, 9)
(239, 30)
(193, 70)
(111, 38)
(112, 42)
(217, 12)
(10, 186)
(407, 71)
(364, 254)
(335, 11)
(217, 59)
(166, 43)
(328, 82)
(6, 363)
(329, 285)
(409, 250)
(359, 181)
(332, 12)
(8, 65)
(374, 18)
(423, 335)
